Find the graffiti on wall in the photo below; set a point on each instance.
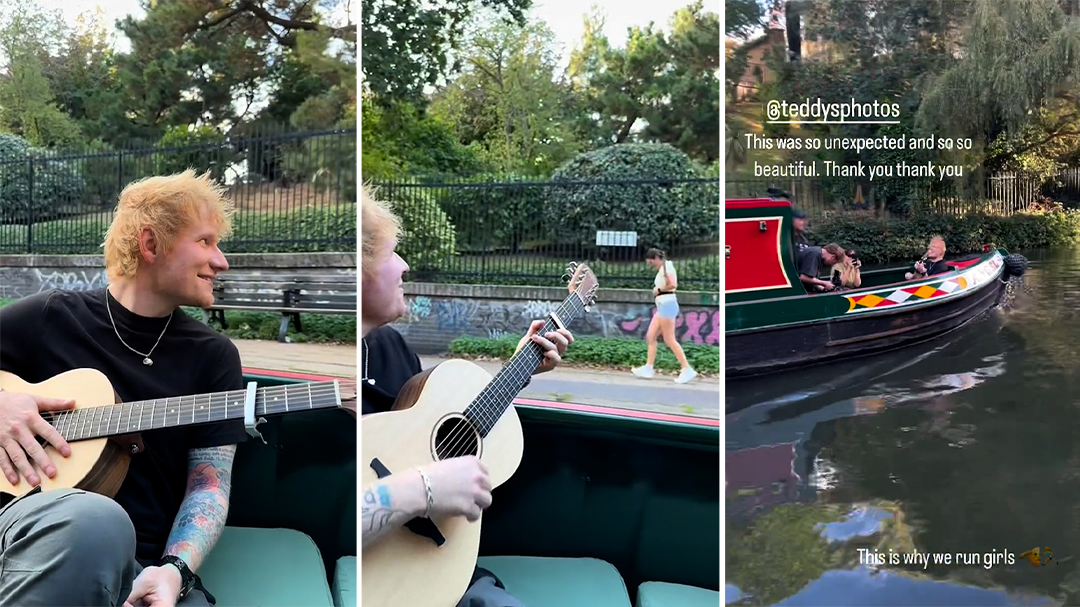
(83, 280)
(691, 326)
(433, 322)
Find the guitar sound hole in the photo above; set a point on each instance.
(456, 437)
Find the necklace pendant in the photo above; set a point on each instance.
(146, 361)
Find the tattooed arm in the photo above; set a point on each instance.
(390, 503)
(206, 504)
(196, 528)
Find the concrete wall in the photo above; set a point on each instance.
(438, 314)
(23, 275)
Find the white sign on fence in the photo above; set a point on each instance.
(608, 238)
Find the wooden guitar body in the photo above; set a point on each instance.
(405, 568)
(96, 465)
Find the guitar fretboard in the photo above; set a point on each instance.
(141, 416)
(498, 395)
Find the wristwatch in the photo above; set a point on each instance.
(187, 577)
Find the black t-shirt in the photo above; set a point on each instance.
(47, 334)
(386, 358)
(808, 261)
(800, 241)
(938, 267)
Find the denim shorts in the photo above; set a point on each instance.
(667, 306)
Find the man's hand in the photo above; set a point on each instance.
(554, 346)
(460, 486)
(20, 422)
(920, 268)
(155, 587)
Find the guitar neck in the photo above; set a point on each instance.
(175, 412)
(499, 395)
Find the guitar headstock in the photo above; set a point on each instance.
(582, 282)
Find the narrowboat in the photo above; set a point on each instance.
(773, 324)
(608, 508)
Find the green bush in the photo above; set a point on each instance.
(490, 217)
(318, 328)
(42, 194)
(427, 235)
(661, 214)
(618, 352)
(888, 240)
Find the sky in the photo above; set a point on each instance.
(564, 17)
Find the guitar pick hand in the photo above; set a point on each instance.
(460, 486)
(20, 422)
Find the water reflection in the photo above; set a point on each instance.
(966, 444)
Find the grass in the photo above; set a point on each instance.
(597, 352)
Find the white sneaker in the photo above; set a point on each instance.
(645, 371)
(686, 375)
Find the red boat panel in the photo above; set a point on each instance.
(754, 203)
(753, 261)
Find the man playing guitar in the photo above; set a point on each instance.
(457, 486)
(70, 547)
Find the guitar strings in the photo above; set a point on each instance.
(485, 414)
(95, 421)
(461, 435)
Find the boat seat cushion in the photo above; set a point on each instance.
(662, 594)
(266, 568)
(559, 582)
(345, 587)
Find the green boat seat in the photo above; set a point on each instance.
(559, 582)
(345, 587)
(252, 567)
(663, 594)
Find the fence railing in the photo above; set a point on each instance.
(526, 232)
(998, 193)
(293, 191)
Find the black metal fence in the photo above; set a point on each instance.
(293, 191)
(997, 193)
(525, 232)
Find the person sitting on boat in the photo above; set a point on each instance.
(798, 230)
(458, 486)
(932, 263)
(846, 274)
(810, 261)
(74, 547)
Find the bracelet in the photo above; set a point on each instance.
(427, 489)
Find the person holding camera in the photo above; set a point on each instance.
(932, 263)
(809, 262)
(845, 274)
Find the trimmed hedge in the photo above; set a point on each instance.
(888, 240)
(286, 232)
(617, 352)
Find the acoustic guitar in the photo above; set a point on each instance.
(451, 410)
(99, 464)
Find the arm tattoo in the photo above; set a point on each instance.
(377, 514)
(206, 504)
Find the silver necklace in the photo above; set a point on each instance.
(370, 381)
(146, 357)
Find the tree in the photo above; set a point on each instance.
(407, 43)
(506, 101)
(658, 88)
(1019, 66)
(27, 106)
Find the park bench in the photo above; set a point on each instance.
(289, 294)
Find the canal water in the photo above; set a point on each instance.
(842, 478)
